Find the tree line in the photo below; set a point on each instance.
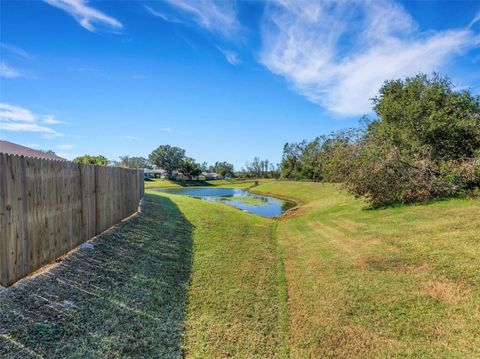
(172, 158)
(424, 143)
(166, 157)
(259, 168)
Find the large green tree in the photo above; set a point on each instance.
(224, 169)
(190, 168)
(426, 115)
(167, 157)
(92, 160)
(425, 143)
(134, 162)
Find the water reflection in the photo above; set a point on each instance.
(237, 197)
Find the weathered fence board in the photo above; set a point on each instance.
(49, 207)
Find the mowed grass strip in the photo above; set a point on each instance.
(124, 298)
(236, 299)
(128, 296)
(394, 282)
(204, 280)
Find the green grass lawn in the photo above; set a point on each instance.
(334, 279)
(395, 282)
(128, 296)
(236, 302)
(124, 298)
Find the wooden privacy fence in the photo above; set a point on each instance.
(49, 207)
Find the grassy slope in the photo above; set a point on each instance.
(237, 304)
(128, 295)
(361, 283)
(380, 283)
(124, 298)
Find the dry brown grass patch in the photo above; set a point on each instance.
(446, 291)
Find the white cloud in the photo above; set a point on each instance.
(15, 50)
(15, 114)
(162, 15)
(215, 16)
(231, 56)
(130, 138)
(475, 20)
(84, 14)
(7, 71)
(27, 127)
(50, 120)
(166, 129)
(338, 54)
(19, 119)
(65, 146)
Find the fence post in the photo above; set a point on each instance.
(4, 279)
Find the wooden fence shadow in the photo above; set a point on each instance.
(125, 297)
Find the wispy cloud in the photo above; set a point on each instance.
(50, 120)
(8, 72)
(166, 129)
(15, 114)
(15, 50)
(130, 138)
(86, 15)
(216, 16)
(338, 54)
(231, 56)
(475, 20)
(163, 16)
(19, 119)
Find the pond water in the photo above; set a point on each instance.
(237, 197)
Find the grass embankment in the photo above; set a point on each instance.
(124, 298)
(394, 282)
(236, 303)
(127, 296)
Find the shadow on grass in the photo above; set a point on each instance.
(124, 298)
(372, 207)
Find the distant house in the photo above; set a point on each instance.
(154, 173)
(178, 176)
(209, 176)
(11, 148)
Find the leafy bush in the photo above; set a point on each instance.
(92, 160)
(425, 143)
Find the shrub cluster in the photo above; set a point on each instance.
(423, 144)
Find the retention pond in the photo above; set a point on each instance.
(237, 197)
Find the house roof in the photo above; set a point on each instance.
(148, 170)
(14, 149)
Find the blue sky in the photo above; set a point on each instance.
(226, 80)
